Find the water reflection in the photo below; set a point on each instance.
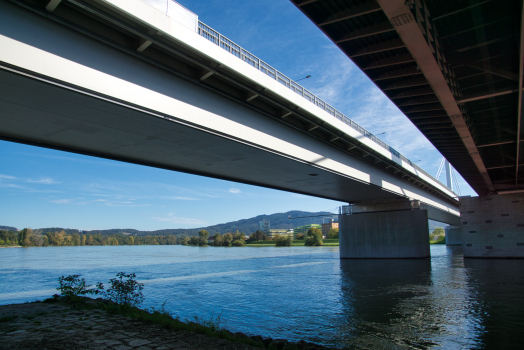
(499, 289)
(383, 301)
(443, 302)
(297, 293)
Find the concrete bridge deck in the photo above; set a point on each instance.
(73, 79)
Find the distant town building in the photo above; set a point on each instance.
(328, 226)
(282, 232)
(304, 228)
(264, 226)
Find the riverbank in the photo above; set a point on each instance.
(99, 324)
(295, 243)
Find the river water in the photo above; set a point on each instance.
(302, 293)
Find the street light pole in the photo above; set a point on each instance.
(307, 76)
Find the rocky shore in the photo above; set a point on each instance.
(57, 326)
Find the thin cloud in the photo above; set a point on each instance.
(13, 186)
(44, 181)
(61, 201)
(234, 190)
(2, 176)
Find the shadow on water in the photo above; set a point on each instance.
(375, 295)
(445, 302)
(499, 288)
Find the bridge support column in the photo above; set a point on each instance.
(454, 236)
(397, 229)
(493, 226)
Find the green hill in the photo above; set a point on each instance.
(278, 221)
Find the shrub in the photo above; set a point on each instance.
(125, 290)
(72, 285)
(72, 288)
(238, 243)
(283, 241)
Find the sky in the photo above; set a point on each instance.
(47, 188)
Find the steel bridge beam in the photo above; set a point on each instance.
(355, 11)
(519, 112)
(409, 31)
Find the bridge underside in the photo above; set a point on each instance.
(454, 68)
(63, 90)
(37, 113)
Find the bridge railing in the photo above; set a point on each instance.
(169, 7)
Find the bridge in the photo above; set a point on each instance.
(455, 69)
(146, 82)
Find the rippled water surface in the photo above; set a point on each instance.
(302, 293)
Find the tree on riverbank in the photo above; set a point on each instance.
(314, 237)
(333, 233)
(8, 238)
(257, 236)
(283, 241)
(438, 236)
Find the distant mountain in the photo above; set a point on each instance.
(41, 231)
(8, 228)
(290, 219)
(278, 221)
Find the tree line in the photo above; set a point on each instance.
(28, 238)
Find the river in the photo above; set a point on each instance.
(302, 293)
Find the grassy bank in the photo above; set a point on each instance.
(297, 243)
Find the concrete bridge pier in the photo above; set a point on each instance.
(493, 225)
(454, 236)
(384, 229)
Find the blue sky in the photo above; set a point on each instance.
(47, 188)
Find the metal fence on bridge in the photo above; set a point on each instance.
(171, 8)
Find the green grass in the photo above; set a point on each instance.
(262, 242)
(296, 243)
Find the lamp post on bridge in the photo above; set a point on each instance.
(306, 77)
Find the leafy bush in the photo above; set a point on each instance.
(125, 290)
(238, 243)
(73, 286)
(283, 241)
